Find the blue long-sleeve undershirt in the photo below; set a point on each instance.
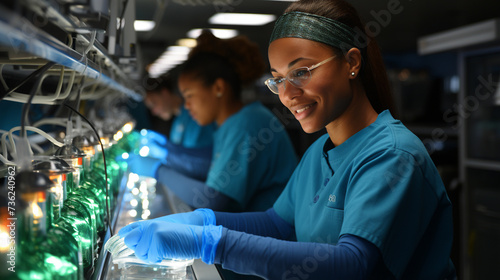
(191, 162)
(266, 223)
(193, 192)
(255, 243)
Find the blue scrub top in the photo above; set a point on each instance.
(380, 185)
(187, 133)
(253, 158)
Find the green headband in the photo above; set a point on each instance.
(315, 28)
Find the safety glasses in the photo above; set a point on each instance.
(298, 77)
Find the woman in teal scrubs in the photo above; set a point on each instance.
(188, 147)
(163, 102)
(252, 155)
(365, 202)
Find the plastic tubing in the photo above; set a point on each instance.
(29, 128)
(47, 100)
(5, 145)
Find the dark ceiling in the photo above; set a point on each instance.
(399, 33)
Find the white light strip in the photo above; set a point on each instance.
(219, 33)
(173, 56)
(241, 19)
(187, 42)
(144, 25)
(178, 50)
(473, 34)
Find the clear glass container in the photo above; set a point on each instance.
(93, 192)
(44, 251)
(132, 267)
(77, 213)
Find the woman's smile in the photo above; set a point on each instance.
(302, 111)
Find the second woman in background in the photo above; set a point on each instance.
(253, 156)
(188, 149)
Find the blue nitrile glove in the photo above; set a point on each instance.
(153, 136)
(157, 144)
(155, 240)
(144, 166)
(198, 217)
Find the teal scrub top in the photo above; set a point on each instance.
(380, 185)
(188, 133)
(253, 158)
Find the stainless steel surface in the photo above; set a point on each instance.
(114, 272)
(204, 271)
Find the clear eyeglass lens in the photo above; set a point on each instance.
(272, 84)
(299, 75)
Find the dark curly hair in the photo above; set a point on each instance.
(238, 61)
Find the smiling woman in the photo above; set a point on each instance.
(246, 172)
(366, 201)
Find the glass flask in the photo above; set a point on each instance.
(94, 192)
(114, 170)
(69, 214)
(43, 251)
(74, 157)
(7, 225)
(132, 267)
(114, 175)
(87, 146)
(79, 214)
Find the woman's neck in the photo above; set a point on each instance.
(358, 115)
(228, 108)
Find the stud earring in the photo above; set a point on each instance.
(353, 74)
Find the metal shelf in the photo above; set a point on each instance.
(482, 164)
(20, 35)
(48, 10)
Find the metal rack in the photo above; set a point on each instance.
(477, 109)
(480, 162)
(20, 36)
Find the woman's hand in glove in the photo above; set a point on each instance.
(156, 143)
(198, 217)
(156, 240)
(153, 136)
(144, 166)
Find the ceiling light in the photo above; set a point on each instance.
(173, 56)
(144, 25)
(219, 33)
(241, 19)
(187, 42)
(178, 50)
